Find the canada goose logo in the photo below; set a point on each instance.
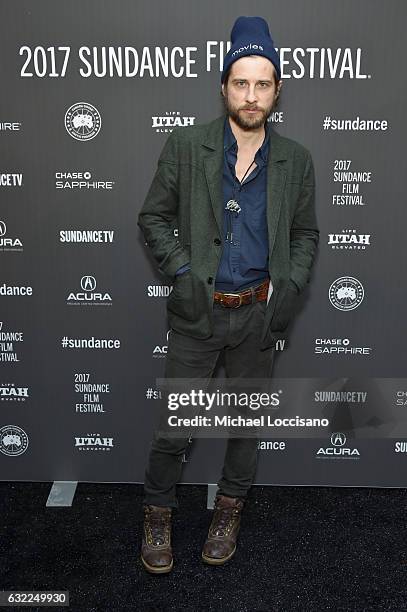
(346, 293)
(82, 121)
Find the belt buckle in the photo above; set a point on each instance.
(239, 295)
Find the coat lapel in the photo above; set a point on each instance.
(276, 178)
(276, 175)
(213, 167)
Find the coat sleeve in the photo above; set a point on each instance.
(304, 232)
(160, 208)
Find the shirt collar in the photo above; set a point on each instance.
(230, 140)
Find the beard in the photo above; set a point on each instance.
(245, 120)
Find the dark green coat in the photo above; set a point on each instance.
(186, 192)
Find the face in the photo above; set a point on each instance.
(251, 91)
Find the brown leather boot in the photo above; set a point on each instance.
(220, 544)
(156, 552)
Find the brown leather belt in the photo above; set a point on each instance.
(234, 300)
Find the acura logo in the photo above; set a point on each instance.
(338, 439)
(88, 283)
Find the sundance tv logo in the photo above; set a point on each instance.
(11, 179)
(86, 236)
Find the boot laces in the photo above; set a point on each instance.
(223, 520)
(158, 528)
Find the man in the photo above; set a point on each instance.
(242, 198)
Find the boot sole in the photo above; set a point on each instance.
(157, 570)
(214, 561)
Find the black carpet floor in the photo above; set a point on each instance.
(300, 548)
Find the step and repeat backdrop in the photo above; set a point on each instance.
(90, 92)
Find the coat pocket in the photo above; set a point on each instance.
(181, 299)
(285, 309)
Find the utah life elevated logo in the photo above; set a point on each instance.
(10, 393)
(93, 442)
(349, 240)
(88, 296)
(337, 450)
(170, 120)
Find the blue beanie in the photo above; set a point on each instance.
(251, 36)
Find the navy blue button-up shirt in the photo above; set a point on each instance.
(244, 260)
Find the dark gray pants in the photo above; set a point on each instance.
(236, 332)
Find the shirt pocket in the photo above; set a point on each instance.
(256, 215)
